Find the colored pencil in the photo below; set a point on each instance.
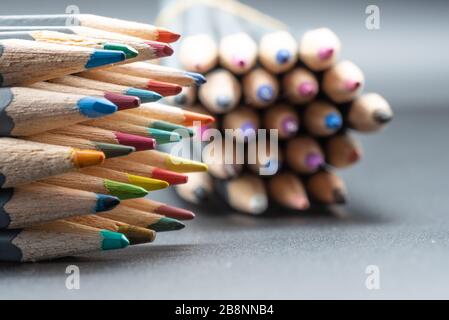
(135, 29)
(289, 191)
(342, 151)
(160, 73)
(343, 82)
(121, 101)
(198, 53)
(300, 86)
(25, 161)
(246, 194)
(322, 119)
(161, 136)
(107, 136)
(171, 114)
(163, 88)
(278, 51)
(185, 98)
(150, 123)
(36, 203)
(79, 82)
(80, 181)
(260, 88)
(369, 112)
(238, 52)
(144, 219)
(244, 121)
(109, 150)
(135, 235)
(56, 239)
(28, 111)
(151, 206)
(221, 93)
(167, 161)
(284, 118)
(304, 155)
(198, 190)
(144, 170)
(319, 49)
(43, 61)
(326, 187)
(69, 40)
(148, 184)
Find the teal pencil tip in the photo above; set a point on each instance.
(144, 95)
(92, 107)
(163, 136)
(129, 51)
(168, 126)
(167, 224)
(113, 240)
(104, 57)
(106, 202)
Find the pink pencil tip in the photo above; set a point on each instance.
(307, 89)
(351, 85)
(162, 49)
(175, 213)
(325, 53)
(301, 203)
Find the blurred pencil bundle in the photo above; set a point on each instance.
(79, 128)
(301, 88)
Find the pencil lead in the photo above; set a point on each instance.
(85, 158)
(178, 164)
(162, 49)
(113, 240)
(106, 202)
(168, 126)
(96, 107)
(137, 235)
(325, 53)
(290, 125)
(265, 93)
(123, 102)
(339, 196)
(149, 184)
(176, 213)
(333, 121)
(258, 203)
(191, 117)
(144, 95)
(138, 142)
(382, 117)
(129, 51)
(104, 57)
(164, 88)
(167, 36)
(114, 150)
(169, 176)
(166, 224)
(307, 89)
(351, 85)
(283, 56)
(199, 78)
(314, 161)
(354, 156)
(223, 101)
(163, 136)
(124, 191)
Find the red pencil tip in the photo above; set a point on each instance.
(164, 88)
(354, 156)
(351, 85)
(162, 49)
(167, 36)
(175, 213)
(121, 101)
(138, 142)
(169, 176)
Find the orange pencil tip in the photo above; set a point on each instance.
(86, 158)
(167, 36)
(191, 117)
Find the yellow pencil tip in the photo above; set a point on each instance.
(182, 165)
(148, 184)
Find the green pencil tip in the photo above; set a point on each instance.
(114, 150)
(166, 224)
(168, 126)
(113, 240)
(129, 51)
(124, 191)
(163, 136)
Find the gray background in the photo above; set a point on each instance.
(397, 217)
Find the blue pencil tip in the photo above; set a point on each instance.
(105, 202)
(265, 93)
(199, 78)
(283, 56)
(144, 95)
(104, 57)
(96, 107)
(333, 121)
(223, 102)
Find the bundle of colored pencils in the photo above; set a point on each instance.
(301, 89)
(79, 126)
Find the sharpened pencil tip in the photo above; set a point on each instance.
(104, 57)
(199, 78)
(123, 102)
(114, 150)
(167, 36)
(175, 213)
(166, 224)
(283, 56)
(124, 191)
(339, 196)
(106, 202)
(164, 88)
(149, 184)
(144, 95)
(163, 136)
(333, 121)
(129, 51)
(85, 158)
(161, 49)
(92, 107)
(138, 142)
(113, 240)
(170, 176)
(314, 161)
(382, 117)
(265, 93)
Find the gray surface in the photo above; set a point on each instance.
(397, 219)
(398, 213)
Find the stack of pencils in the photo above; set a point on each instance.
(79, 124)
(301, 89)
